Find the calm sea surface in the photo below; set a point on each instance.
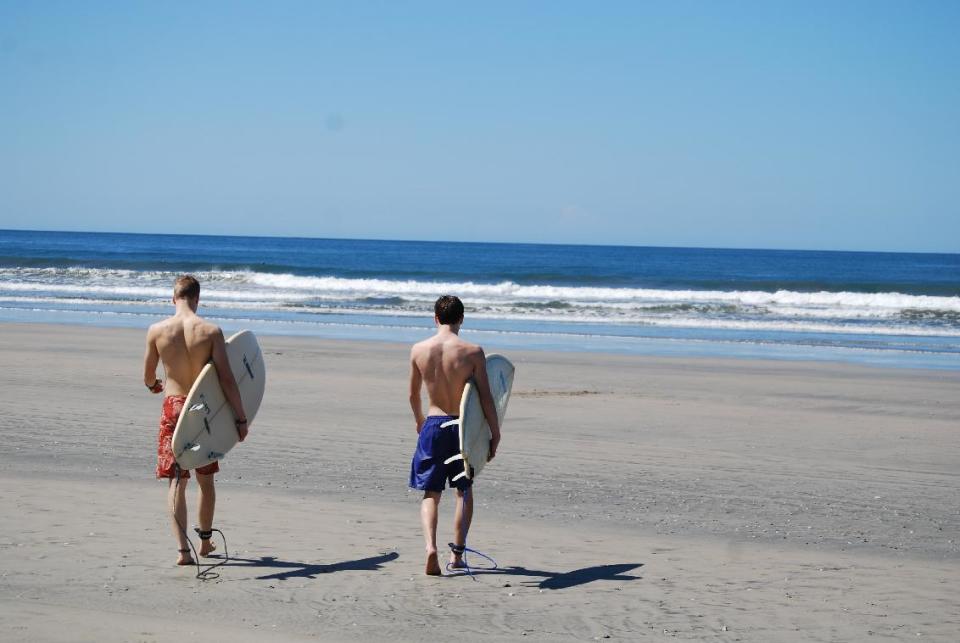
(883, 308)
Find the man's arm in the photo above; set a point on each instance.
(416, 381)
(486, 400)
(151, 359)
(229, 385)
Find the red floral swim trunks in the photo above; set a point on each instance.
(166, 463)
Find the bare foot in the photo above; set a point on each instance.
(207, 547)
(433, 565)
(184, 557)
(456, 557)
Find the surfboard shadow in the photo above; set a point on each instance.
(565, 580)
(310, 570)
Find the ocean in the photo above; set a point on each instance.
(896, 309)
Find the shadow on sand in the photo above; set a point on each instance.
(551, 580)
(309, 570)
(564, 580)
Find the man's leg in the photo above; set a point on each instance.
(177, 507)
(429, 508)
(462, 519)
(208, 501)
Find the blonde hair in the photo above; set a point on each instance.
(186, 287)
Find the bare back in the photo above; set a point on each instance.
(445, 363)
(185, 345)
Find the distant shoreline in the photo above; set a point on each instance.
(667, 350)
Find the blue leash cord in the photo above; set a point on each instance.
(466, 569)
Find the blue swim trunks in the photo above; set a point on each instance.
(434, 445)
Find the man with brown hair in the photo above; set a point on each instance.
(185, 343)
(444, 363)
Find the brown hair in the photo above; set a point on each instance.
(449, 310)
(186, 287)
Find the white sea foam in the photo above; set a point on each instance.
(509, 291)
(285, 294)
(279, 286)
(145, 292)
(687, 322)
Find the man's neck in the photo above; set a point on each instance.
(184, 309)
(448, 329)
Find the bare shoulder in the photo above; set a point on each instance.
(420, 348)
(472, 351)
(156, 329)
(208, 330)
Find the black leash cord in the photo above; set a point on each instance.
(204, 572)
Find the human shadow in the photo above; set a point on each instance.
(564, 580)
(310, 570)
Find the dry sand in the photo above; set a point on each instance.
(696, 499)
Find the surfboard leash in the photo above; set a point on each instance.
(204, 572)
(462, 550)
(208, 573)
(467, 569)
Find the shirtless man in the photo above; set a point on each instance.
(185, 343)
(444, 363)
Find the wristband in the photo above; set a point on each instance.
(153, 387)
(239, 422)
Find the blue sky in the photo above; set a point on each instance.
(815, 125)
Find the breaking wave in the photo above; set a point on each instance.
(112, 289)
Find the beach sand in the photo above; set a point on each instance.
(696, 499)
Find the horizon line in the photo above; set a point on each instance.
(515, 243)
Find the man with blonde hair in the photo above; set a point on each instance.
(185, 343)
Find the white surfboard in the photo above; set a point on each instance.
(474, 430)
(206, 431)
